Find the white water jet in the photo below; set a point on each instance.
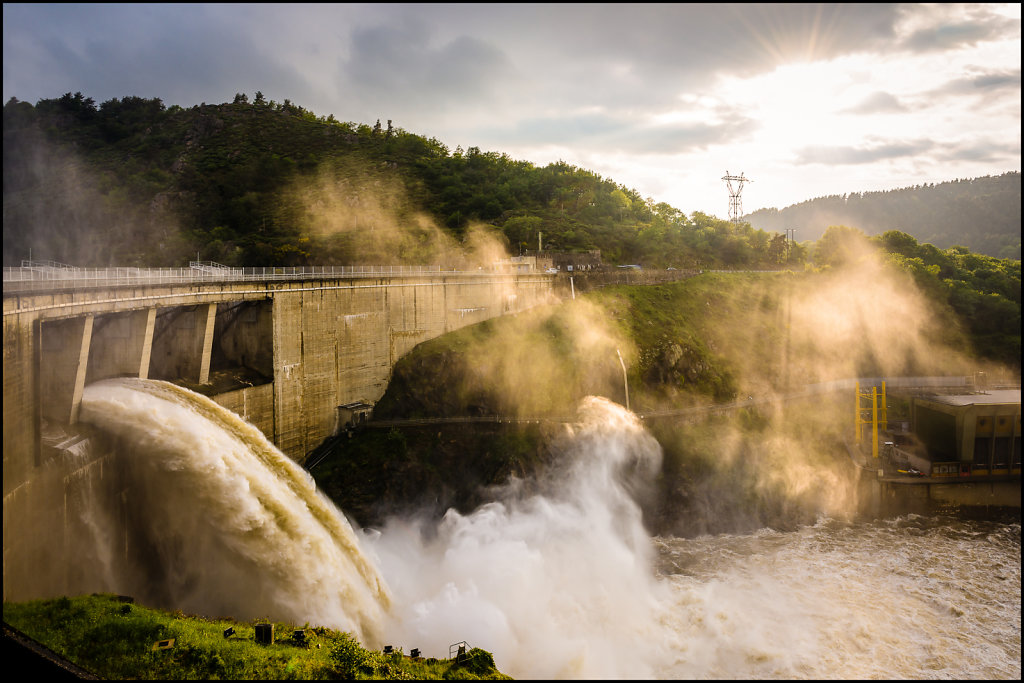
(556, 581)
(227, 525)
(555, 577)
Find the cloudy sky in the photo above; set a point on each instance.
(804, 100)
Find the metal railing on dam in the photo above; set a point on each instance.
(48, 276)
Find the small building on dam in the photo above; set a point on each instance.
(970, 435)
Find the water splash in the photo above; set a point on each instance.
(225, 524)
(555, 577)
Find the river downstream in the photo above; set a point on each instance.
(908, 597)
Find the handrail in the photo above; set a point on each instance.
(48, 277)
(45, 264)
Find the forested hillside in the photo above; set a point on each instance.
(982, 214)
(132, 182)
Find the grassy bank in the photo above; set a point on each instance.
(116, 639)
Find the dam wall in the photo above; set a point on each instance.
(284, 353)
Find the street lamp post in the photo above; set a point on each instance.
(625, 381)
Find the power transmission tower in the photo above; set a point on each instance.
(735, 205)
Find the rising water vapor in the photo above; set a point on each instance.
(56, 208)
(778, 459)
(225, 524)
(355, 214)
(546, 360)
(555, 576)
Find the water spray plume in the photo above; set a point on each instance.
(355, 213)
(543, 361)
(555, 576)
(57, 208)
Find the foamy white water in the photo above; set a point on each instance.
(230, 526)
(557, 576)
(559, 580)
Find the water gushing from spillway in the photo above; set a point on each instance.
(226, 525)
(557, 571)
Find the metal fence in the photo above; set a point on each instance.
(48, 275)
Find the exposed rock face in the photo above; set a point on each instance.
(435, 385)
(676, 366)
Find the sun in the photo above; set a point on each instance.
(794, 104)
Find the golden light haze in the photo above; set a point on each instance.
(773, 334)
(366, 218)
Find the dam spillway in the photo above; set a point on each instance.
(224, 523)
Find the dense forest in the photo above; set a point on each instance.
(131, 182)
(982, 214)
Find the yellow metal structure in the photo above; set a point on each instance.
(879, 415)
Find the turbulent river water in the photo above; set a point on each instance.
(557, 576)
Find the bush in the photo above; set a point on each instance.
(348, 657)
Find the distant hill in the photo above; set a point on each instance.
(982, 214)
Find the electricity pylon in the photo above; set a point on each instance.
(735, 205)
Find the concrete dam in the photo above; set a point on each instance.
(302, 344)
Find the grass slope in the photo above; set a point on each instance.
(117, 639)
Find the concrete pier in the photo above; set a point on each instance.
(183, 343)
(63, 362)
(122, 345)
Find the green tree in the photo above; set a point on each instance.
(840, 245)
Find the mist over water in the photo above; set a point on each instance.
(557, 575)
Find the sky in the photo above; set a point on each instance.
(802, 100)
